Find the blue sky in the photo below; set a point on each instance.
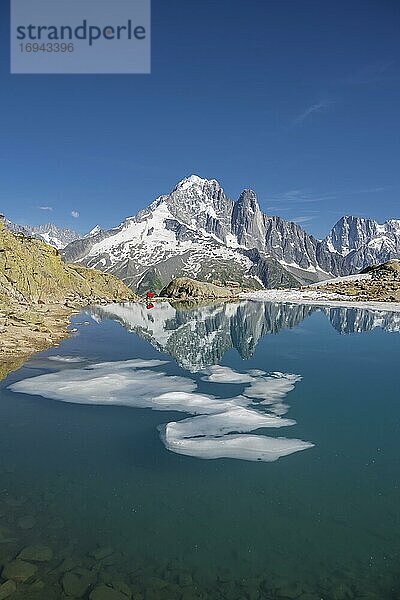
(298, 100)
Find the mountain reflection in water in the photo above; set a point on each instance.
(226, 406)
(199, 336)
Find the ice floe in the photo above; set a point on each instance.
(66, 359)
(219, 424)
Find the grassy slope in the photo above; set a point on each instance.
(33, 272)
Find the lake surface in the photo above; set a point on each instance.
(243, 451)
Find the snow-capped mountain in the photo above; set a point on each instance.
(97, 229)
(197, 231)
(51, 234)
(364, 241)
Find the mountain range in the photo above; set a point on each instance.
(58, 237)
(197, 231)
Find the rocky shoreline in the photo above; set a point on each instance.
(27, 329)
(39, 293)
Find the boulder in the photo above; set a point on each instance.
(76, 583)
(183, 288)
(36, 553)
(19, 571)
(103, 592)
(7, 588)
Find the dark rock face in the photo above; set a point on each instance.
(198, 232)
(248, 222)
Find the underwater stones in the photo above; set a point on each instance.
(101, 553)
(37, 553)
(26, 522)
(7, 588)
(19, 571)
(156, 584)
(103, 592)
(5, 535)
(76, 583)
(68, 564)
(122, 587)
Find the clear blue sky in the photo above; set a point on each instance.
(299, 100)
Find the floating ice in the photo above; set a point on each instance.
(66, 359)
(121, 383)
(244, 447)
(272, 388)
(218, 427)
(218, 374)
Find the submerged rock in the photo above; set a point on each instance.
(7, 588)
(76, 583)
(68, 564)
(103, 592)
(102, 553)
(122, 587)
(19, 571)
(36, 553)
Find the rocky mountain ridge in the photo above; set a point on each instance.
(196, 231)
(51, 234)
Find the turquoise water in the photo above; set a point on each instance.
(282, 482)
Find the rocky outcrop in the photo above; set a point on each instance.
(383, 288)
(39, 292)
(33, 272)
(387, 268)
(183, 288)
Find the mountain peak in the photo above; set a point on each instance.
(248, 200)
(195, 181)
(97, 229)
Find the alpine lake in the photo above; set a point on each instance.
(239, 451)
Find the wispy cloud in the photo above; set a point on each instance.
(75, 214)
(48, 208)
(303, 219)
(299, 197)
(318, 107)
